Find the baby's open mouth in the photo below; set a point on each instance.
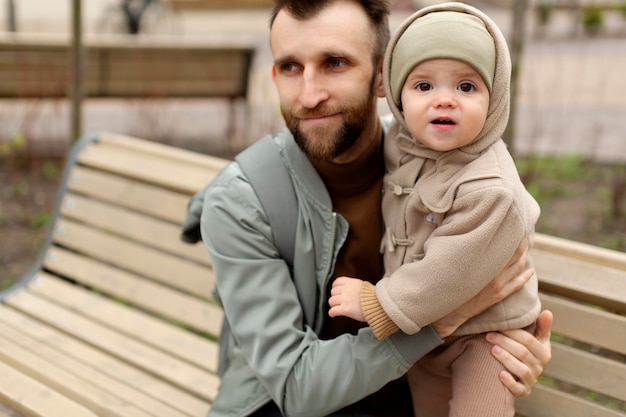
(442, 122)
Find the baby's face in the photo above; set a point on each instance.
(445, 103)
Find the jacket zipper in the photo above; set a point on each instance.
(333, 235)
(324, 284)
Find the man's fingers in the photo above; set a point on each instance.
(507, 284)
(517, 388)
(511, 350)
(523, 354)
(544, 323)
(518, 282)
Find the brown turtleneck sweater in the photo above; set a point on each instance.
(356, 191)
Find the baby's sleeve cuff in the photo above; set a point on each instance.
(376, 317)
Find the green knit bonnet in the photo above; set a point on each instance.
(443, 35)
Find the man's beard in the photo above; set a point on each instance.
(332, 144)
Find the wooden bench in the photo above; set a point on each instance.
(126, 66)
(118, 319)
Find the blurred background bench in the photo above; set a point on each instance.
(126, 66)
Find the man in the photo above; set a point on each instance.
(281, 353)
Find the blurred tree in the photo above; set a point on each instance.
(78, 68)
(11, 16)
(517, 48)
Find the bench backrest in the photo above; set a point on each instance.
(585, 287)
(127, 66)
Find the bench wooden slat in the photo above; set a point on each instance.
(570, 277)
(148, 262)
(209, 163)
(66, 383)
(588, 371)
(179, 373)
(580, 251)
(128, 193)
(549, 402)
(33, 399)
(167, 173)
(106, 364)
(192, 312)
(88, 376)
(157, 88)
(134, 324)
(134, 226)
(580, 322)
(55, 86)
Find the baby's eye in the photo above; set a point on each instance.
(466, 87)
(423, 86)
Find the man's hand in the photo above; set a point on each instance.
(345, 298)
(509, 280)
(523, 354)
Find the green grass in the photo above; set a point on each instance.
(580, 200)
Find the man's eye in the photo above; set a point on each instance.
(335, 63)
(466, 87)
(289, 67)
(423, 87)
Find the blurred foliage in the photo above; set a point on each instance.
(580, 200)
(592, 18)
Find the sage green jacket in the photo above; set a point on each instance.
(269, 347)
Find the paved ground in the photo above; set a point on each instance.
(572, 89)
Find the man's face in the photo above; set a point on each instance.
(325, 77)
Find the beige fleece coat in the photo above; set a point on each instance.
(453, 218)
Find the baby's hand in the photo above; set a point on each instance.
(345, 298)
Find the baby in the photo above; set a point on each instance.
(454, 207)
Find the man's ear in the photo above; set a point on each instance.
(379, 89)
(274, 73)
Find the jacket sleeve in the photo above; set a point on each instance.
(474, 242)
(304, 375)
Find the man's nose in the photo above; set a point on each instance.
(314, 91)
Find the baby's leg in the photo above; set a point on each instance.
(476, 389)
(430, 390)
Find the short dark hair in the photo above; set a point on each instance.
(377, 12)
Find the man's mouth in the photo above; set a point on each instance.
(317, 116)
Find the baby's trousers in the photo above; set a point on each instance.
(460, 380)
